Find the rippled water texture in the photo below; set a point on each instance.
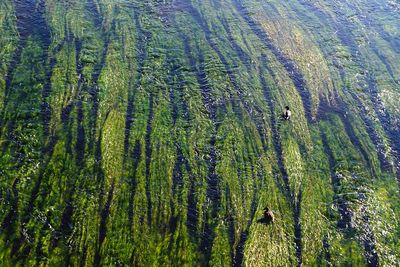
(150, 133)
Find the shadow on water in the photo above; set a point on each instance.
(93, 88)
(370, 245)
(30, 20)
(213, 191)
(80, 139)
(344, 211)
(134, 82)
(239, 254)
(343, 32)
(243, 56)
(372, 132)
(274, 126)
(296, 203)
(290, 67)
(65, 228)
(370, 22)
(148, 151)
(327, 253)
(213, 194)
(179, 109)
(172, 65)
(136, 155)
(265, 221)
(193, 213)
(355, 140)
(346, 215)
(94, 10)
(177, 178)
(237, 259)
(377, 140)
(27, 211)
(391, 129)
(229, 70)
(177, 183)
(297, 228)
(9, 221)
(103, 225)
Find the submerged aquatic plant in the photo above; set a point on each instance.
(150, 133)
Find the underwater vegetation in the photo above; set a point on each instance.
(149, 133)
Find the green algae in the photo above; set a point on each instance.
(164, 140)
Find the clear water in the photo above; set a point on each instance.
(150, 133)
